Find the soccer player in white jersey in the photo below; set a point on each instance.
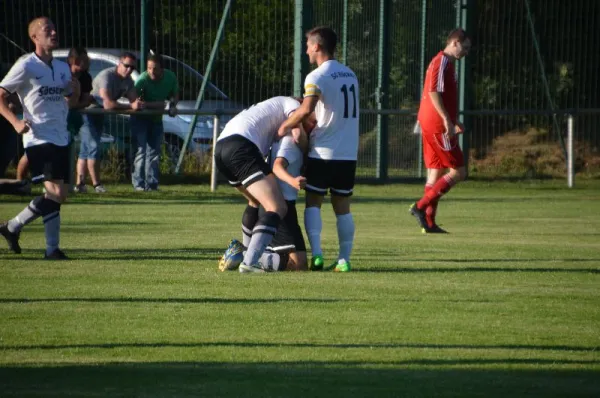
(331, 91)
(240, 155)
(287, 251)
(42, 83)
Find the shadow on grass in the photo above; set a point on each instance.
(169, 300)
(233, 344)
(474, 269)
(180, 254)
(413, 378)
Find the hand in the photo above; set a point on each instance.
(297, 136)
(137, 105)
(449, 126)
(460, 128)
(299, 182)
(283, 131)
(22, 126)
(172, 110)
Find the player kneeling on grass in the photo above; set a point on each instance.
(239, 155)
(288, 249)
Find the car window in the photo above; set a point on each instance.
(190, 81)
(98, 65)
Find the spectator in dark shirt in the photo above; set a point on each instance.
(89, 134)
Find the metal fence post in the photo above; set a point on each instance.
(422, 75)
(209, 67)
(302, 19)
(570, 151)
(345, 32)
(143, 35)
(213, 167)
(383, 67)
(463, 20)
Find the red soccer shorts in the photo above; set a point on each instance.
(440, 152)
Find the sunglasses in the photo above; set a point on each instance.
(128, 66)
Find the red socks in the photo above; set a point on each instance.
(433, 194)
(431, 210)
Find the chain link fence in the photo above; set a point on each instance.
(527, 55)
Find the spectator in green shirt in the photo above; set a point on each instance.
(156, 87)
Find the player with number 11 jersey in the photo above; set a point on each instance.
(336, 135)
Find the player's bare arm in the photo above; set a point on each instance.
(280, 170)
(436, 99)
(306, 108)
(20, 126)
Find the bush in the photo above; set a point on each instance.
(532, 153)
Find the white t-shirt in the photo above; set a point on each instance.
(286, 148)
(41, 89)
(260, 122)
(336, 135)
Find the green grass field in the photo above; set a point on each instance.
(506, 305)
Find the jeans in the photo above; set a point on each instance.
(89, 134)
(148, 137)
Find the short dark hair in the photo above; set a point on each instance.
(457, 34)
(127, 54)
(156, 58)
(325, 37)
(75, 53)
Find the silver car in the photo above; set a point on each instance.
(176, 128)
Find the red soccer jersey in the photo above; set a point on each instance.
(440, 77)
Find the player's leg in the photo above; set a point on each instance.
(345, 231)
(22, 167)
(341, 191)
(447, 155)
(317, 182)
(49, 163)
(433, 175)
(313, 224)
(266, 192)
(55, 196)
(289, 242)
(249, 220)
(432, 162)
(140, 137)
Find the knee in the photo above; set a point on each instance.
(458, 174)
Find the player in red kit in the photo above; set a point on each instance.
(438, 118)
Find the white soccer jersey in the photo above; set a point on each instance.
(336, 135)
(286, 148)
(260, 122)
(41, 89)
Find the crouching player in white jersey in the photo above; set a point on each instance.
(42, 83)
(239, 154)
(331, 91)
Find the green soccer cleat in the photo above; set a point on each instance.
(339, 266)
(316, 263)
